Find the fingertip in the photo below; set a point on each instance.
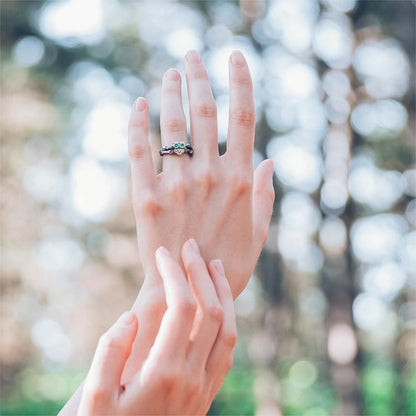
(237, 59)
(127, 318)
(140, 104)
(161, 255)
(217, 267)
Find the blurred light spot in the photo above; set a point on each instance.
(312, 303)
(303, 374)
(334, 196)
(407, 313)
(336, 83)
(59, 255)
(299, 252)
(376, 238)
(342, 344)
(407, 252)
(246, 303)
(299, 212)
(333, 40)
(378, 189)
(333, 236)
(337, 109)
(44, 181)
(410, 177)
(226, 13)
(48, 335)
(178, 17)
(217, 35)
(299, 81)
(382, 120)
(343, 6)
(28, 51)
(72, 22)
(295, 166)
(90, 82)
(181, 40)
(411, 212)
(262, 348)
(385, 280)
(383, 66)
(53, 387)
(106, 131)
(368, 311)
(95, 190)
(291, 23)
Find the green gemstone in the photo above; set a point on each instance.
(176, 145)
(182, 144)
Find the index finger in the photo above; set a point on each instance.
(173, 337)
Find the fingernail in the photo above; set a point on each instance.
(193, 244)
(218, 267)
(237, 59)
(173, 75)
(127, 318)
(193, 57)
(140, 104)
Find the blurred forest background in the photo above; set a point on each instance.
(328, 322)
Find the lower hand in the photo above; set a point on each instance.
(190, 356)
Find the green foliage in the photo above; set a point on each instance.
(236, 395)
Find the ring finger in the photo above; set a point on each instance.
(172, 118)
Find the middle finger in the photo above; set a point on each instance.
(202, 108)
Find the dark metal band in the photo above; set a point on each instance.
(177, 148)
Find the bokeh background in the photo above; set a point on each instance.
(327, 323)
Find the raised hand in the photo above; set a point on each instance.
(191, 354)
(216, 200)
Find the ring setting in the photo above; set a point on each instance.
(178, 148)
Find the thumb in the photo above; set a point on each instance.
(263, 198)
(111, 355)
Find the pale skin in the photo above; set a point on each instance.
(191, 354)
(217, 200)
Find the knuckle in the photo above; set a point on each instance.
(243, 117)
(110, 342)
(206, 110)
(205, 181)
(136, 150)
(147, 205)
(229, 338)
(178, 191)
(215, 312)
(186, 307)
(174, 125)
(170, 377)
(198, 73)
(94, 394)
(194, 388)
(240, 184)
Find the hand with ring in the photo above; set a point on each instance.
(191, 354)
(217, 200)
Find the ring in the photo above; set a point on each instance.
(177, 148)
